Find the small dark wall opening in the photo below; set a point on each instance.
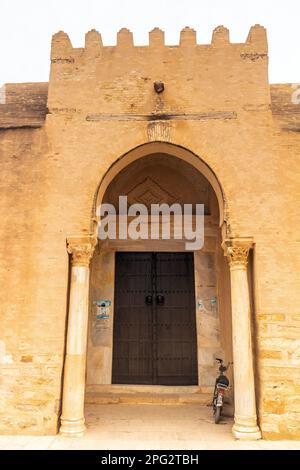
(154, 335)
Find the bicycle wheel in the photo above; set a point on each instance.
(217, 414)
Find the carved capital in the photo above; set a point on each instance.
(237, 251)
(237, 255)
(81, 249)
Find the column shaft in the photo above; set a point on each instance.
(72, 419)
(245, 419)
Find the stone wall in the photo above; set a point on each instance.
(102, 104)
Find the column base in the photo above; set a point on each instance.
(248, 433)
(72, 428)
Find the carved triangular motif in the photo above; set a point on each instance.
(149, 192)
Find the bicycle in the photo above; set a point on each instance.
(221, 385)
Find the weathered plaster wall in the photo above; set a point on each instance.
(207, 317)
(100, 336)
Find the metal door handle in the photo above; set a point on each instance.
(148, 299)
(160, 299)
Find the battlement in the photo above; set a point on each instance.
(198, 78)
(63, 51)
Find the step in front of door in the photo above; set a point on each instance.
(129, 396)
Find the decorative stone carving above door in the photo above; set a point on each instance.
(149, 192)
(161, 178)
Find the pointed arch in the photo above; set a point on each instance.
(169, 149)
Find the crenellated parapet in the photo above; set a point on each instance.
(62, 51)
(62, 47)
(196, 78)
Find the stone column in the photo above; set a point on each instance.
(72, 419)
(245, 419)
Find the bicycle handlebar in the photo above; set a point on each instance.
(221, 367)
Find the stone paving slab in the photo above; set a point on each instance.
(151, 427)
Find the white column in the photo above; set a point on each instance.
(245, 419)
(72, 419)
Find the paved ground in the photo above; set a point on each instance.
(155, 427)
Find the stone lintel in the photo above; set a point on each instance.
(163, 117)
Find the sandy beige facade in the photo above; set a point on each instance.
(218, 126)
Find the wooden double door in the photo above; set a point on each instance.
(154, 340)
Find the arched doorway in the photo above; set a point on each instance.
(142, 341)
(165, 148)
(159, 173)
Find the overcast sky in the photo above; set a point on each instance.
(26, 27)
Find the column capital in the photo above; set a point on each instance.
(236, 250)
(81, 248)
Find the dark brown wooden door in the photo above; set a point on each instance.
(154, 320)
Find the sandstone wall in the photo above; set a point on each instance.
(101, 104)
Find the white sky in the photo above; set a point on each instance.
(26, 27)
